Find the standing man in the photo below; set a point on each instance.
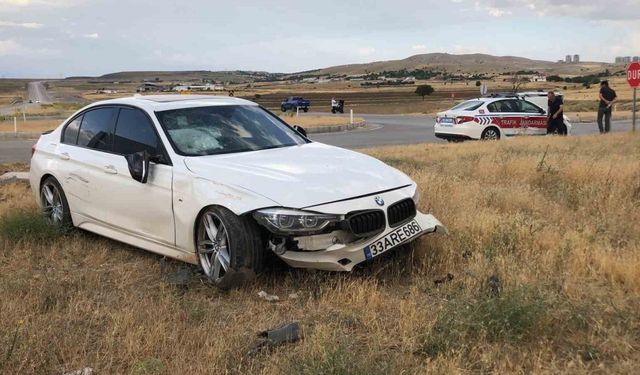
(608, 98)
(555, 115)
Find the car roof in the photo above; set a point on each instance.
(167, 102)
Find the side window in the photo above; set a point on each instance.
(527, 107)
(96, 130)
(134, 133)
(499, 106)
(70, 135)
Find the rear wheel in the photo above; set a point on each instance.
(229, 247)
(283, 109)
(491, 134)
(55, 207)
(305, 109)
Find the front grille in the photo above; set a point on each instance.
(401, 211)
(365, 223)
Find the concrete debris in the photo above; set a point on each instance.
(84, 371)
(10, 177)
(268, 297)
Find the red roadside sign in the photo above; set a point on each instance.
(633, 74)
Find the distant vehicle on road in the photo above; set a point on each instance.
(37, 101)
(492, 119)
(293, 102)
(223, 183)
(337, 106)
(30, 101)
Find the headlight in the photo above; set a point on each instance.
(416, 196)
(290, 222)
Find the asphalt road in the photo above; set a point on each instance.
(38, 93)
(382, 130)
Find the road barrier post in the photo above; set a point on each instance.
(635, 109)
(351, 117)
(15, 124)
(297, 111)
(24, 116)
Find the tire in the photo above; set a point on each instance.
(333, 111)
(491, 134)
(305, 109)
(283, 109)
(230, 249)
(54, 204)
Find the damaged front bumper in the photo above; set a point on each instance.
(343, 257)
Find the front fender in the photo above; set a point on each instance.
(192, 193)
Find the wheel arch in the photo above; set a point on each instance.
(492, 126)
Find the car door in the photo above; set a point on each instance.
(534, 118)
(141, 209)
(84, 152)
(505, 115)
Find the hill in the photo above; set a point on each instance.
(467, 63)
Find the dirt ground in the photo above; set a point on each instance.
(538, 274)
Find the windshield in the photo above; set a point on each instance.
(225, 129)
(469, 105)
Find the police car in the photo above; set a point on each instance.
(494, 118)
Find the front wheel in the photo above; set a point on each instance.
(491, 134)
(229, 247)
(283, 109)
(305, 109)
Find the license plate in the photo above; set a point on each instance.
(446, 120)
(393, 239)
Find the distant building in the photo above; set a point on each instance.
(636, 58)
(196, 87)
(538, 78)
(149, 86)
(567, 59)
(560, 61)
(576, 59)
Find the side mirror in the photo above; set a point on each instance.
(139, 166)
(300, 130)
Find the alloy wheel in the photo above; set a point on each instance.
(52, 205)
(491, 135)
(213, 246)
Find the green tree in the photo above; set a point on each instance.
(423, 90)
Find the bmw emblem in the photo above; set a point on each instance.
(379, 201)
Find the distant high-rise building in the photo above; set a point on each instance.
(636, 58)
(567, 59)
(627, 59)
(618, 60)
(576, 59)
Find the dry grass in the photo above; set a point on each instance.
(554, 220)
(317, 121)
(31, 125)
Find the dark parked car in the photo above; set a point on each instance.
(293, 102)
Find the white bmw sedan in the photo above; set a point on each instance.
(220, 182)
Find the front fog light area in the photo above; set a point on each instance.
(294, 222)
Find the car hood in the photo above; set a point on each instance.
(301, 176)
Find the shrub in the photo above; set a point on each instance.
(28, 226)
(511, 317)
(423, 90)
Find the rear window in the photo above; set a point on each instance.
(96, 130)
(470, 105)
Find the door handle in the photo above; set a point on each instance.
(64, 156)
(110, 169)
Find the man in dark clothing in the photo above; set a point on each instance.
(608, 98)
(555, 115)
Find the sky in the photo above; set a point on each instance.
(59, 38)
